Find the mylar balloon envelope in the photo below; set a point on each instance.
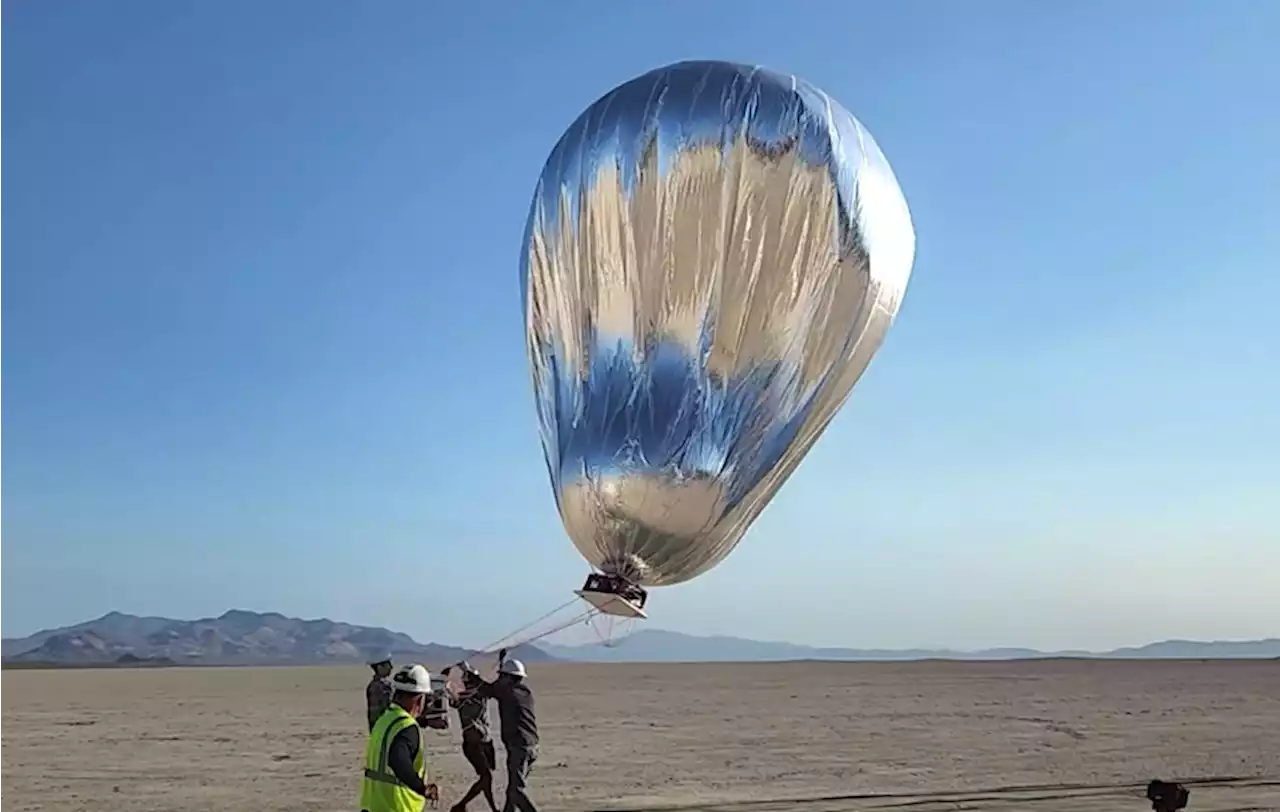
(713, 254)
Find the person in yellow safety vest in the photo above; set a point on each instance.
(395, 761)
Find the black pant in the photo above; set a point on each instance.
(481, 756)
(484, 761)
(519, 763)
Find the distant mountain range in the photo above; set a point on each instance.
(654, 645)
(240, 637)
(236, 638)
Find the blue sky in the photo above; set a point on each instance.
(263, 341)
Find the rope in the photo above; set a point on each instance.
(512, 640)
(495, 644)
(518, 638)
(572, 621)
(613, 626)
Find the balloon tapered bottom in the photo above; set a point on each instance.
(612, 595)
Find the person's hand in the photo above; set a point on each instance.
(502, 655)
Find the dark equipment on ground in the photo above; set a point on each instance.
(1167, 796)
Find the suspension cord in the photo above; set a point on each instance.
(495, 644)
(559, 627)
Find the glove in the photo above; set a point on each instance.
(502, 654)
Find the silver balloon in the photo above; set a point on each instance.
(713, 254)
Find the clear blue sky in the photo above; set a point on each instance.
(263, 341)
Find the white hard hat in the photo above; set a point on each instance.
(513, 667)
(412, 679)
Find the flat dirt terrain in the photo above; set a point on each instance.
(1052, 735)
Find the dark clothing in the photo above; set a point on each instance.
(477, 742)
(477, 745)
(377, 698)
(517, 720)
(519, 762)
(483, 759)
(404, 749)
(519, 726)
(481, 756)
(473, 717)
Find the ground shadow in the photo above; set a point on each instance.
(1209, 794)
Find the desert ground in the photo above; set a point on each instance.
(1051, 735)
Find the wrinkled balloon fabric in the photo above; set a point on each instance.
(713, 254)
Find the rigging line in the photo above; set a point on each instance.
(512, 640)
(573, 621)
(566, 624)
(487, 649)
(520, 640)
(587, 615)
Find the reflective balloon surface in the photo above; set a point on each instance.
(713, 254)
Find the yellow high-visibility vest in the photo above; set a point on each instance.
(381, 791)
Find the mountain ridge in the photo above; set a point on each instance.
(237, 637)
(658, 645)
(242, 637)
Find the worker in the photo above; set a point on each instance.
(477, 742)
(519, 726)
(377, 694)
(395, 760)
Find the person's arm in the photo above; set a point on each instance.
(404, 749)
(468, 695)
(486, 689)
(454, 701)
